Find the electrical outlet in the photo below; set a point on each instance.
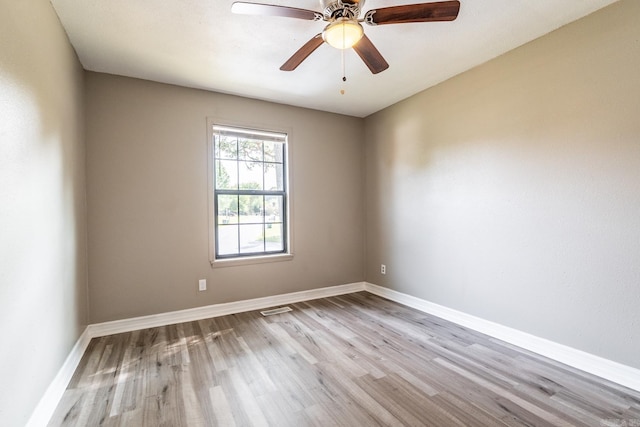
(202, 284)
(383, 269)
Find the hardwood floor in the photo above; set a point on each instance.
(353, 360)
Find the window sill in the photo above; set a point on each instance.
(233, 262)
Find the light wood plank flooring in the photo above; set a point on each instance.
(353, 360)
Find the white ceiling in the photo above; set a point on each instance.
(201, 44)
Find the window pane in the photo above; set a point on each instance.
(226, 175)
(251, 238)
(250, 149)
(227, 239)
(273, 208)
(273, 177)
(274, 238)
(226, 147)
(251, 209)
(273, 152)
(250, 175)
(227, 209)
(249, 191)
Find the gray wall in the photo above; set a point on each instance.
(147, 199)
(512, 192)
(43, 295)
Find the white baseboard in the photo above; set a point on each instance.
(49, 401)
(613, 371)
(215, 310)
(599, 366)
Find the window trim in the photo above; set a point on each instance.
(288, 231)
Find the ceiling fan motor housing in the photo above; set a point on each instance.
(349, 9)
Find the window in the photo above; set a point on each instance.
(250, 202)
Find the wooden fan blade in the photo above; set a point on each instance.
(370, 55)
(273, 10)
(302, 53)
(422, 12)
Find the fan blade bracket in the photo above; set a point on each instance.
(421, 12)
(368, 17)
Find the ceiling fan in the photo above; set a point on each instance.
(344, 30)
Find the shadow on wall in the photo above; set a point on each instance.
(511, 190)
(42, 204)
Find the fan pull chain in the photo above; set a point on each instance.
(344, 77)
(344, 74)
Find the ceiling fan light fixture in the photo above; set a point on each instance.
(343, 33)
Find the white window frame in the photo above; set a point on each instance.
(288, 223)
